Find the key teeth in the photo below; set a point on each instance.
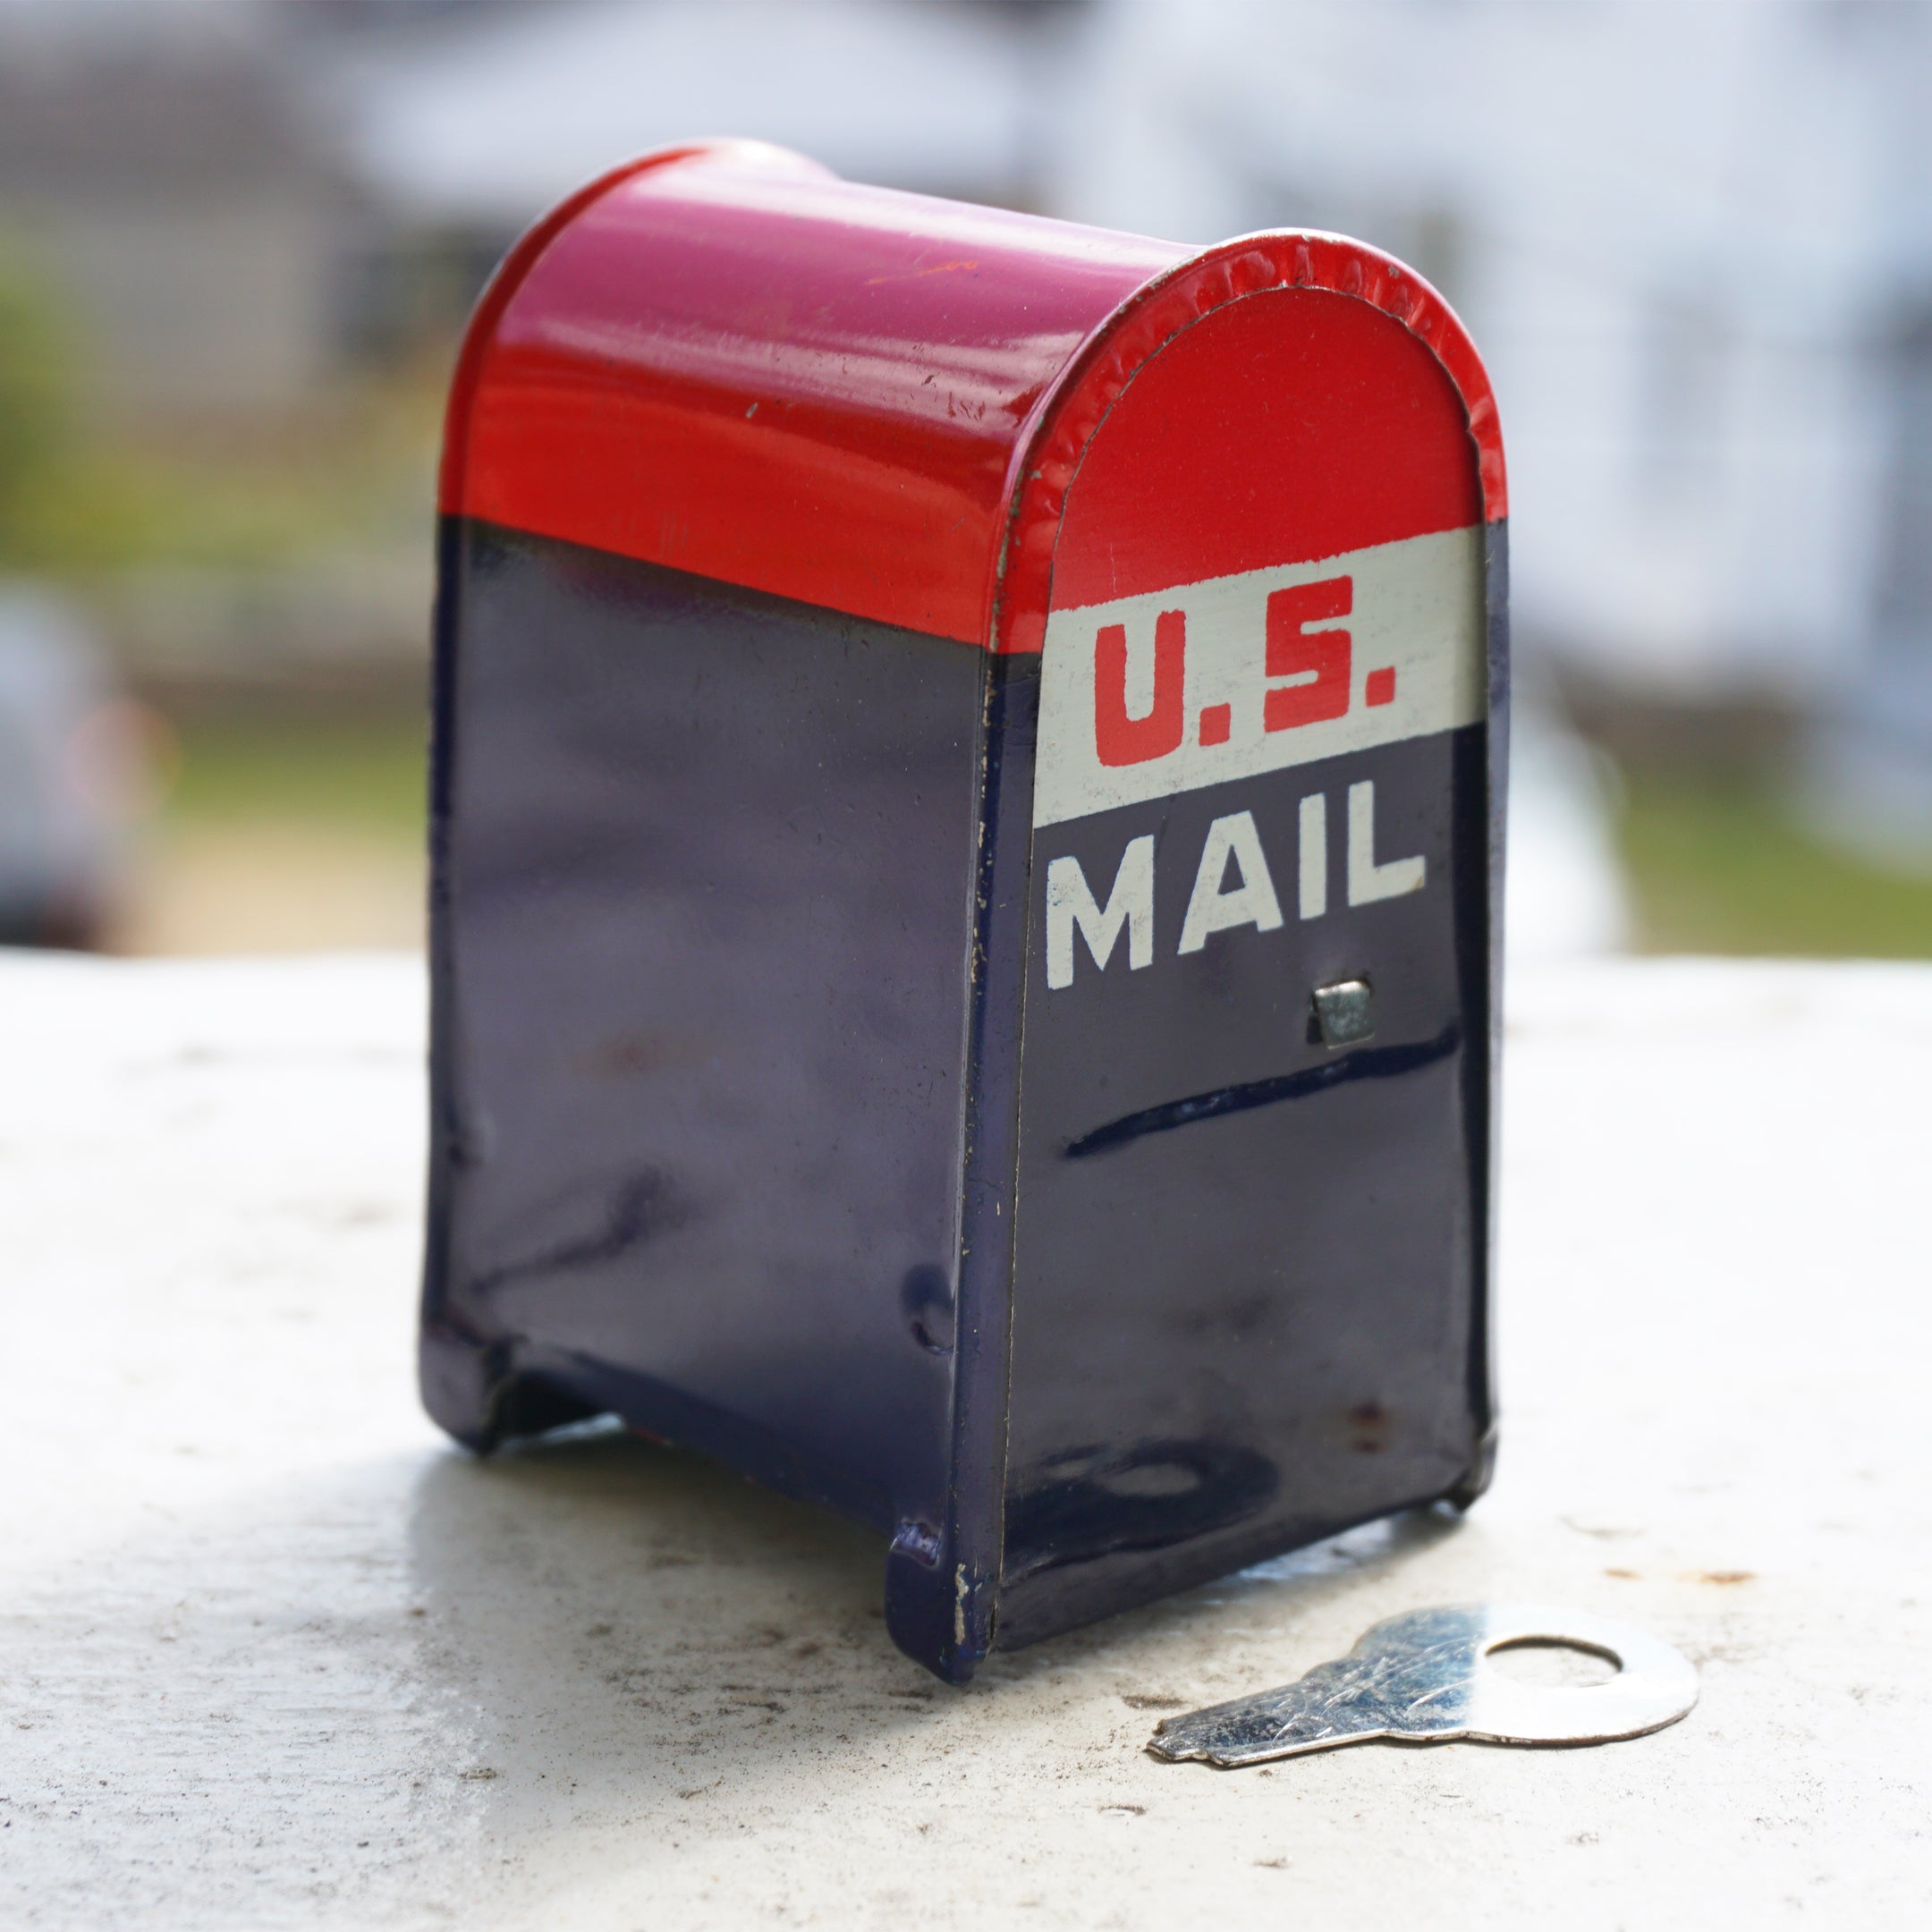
(1169, 1753)
(1173, 1744)
(1169, 1746)
(1185, 1740)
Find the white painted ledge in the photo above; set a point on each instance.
(270, 1653)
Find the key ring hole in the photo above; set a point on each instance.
(1555, 1663)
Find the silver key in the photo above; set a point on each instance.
(1424, 1678)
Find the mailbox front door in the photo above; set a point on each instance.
(1254, 1071)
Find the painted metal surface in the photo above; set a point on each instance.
(723, 360)
(925, 699)
(705, 983)
(1248, 1264)
(729, 361)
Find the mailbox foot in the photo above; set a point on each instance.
(1479, 1475)
(939, 1615)
(473, 1392)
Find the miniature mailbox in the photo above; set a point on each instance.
(966, 830)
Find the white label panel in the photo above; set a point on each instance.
(1167, 693)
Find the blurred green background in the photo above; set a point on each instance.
(262, 587)
(1720, 863)
(243, 520)
(288, 800)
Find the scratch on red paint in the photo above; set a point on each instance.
(945, 268)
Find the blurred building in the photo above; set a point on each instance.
(240, 197)
(156, 165)
(244, 197)
(1694, 240)
(487, 129)
(1696, 244)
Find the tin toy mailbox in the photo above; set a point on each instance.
(966, 817)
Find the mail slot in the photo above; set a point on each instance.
(967, 816)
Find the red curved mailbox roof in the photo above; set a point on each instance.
(723, 360)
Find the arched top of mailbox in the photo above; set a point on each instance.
(723, 360)
(1289, 395)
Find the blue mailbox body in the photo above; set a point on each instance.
(966, 851)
